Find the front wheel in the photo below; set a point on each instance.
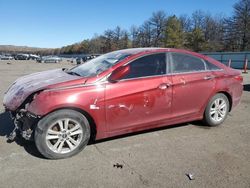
(62, 134)
(216, 110)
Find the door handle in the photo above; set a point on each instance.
(183, 81)
(208, 77)
(164, 86)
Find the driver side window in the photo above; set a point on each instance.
(150, 65)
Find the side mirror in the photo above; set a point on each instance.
(119, 73)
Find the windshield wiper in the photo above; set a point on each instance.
(73, 73)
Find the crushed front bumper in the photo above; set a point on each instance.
(25, 123)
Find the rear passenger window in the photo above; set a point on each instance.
(186, 63)
(211, 66)
(150, 65)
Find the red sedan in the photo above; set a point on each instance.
(117, 93)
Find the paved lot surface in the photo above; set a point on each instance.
(217, 157)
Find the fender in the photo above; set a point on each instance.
(73, 98)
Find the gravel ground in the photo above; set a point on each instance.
(217, 157)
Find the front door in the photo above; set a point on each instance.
(142, 97)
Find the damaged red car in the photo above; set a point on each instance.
(117, 93)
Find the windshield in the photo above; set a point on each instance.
(99, 64)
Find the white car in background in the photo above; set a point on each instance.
(49, 59)
(34, 57)
(6, 57)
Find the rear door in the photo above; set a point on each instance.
(140, 98)
(192, 84)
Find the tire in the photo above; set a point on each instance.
(62, 134)
(217, 110)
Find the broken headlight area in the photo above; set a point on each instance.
(24, 120)
(25, 123)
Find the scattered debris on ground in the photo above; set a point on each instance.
(117, 165)
(190, 176)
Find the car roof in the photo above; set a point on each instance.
(139, 50)
(134, 51)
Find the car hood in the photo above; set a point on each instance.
(25, 86)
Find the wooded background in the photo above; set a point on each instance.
(199, 32)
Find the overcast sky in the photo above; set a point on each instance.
(55, 23)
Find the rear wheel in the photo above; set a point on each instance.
(216, 110)
(62, 134)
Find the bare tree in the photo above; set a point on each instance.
(198, 19)
(157, 22)
(186, 23)
(241, 19)
(134, 32)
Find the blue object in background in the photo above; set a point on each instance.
(237, 58)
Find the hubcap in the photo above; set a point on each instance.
(218, 110)
(64, 136)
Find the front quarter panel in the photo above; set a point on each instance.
(89, 99)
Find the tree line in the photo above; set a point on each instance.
(200, 31)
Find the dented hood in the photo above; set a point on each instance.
(25, 86)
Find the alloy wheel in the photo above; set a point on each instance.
(218, 110)
(64, 135)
